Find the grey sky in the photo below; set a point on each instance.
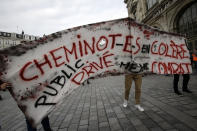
(38, 17)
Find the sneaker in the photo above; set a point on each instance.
(125, 103)
(139, 107)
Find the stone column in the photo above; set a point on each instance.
(141, 10)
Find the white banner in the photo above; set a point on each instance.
(44, 71)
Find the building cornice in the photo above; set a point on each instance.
(158, 9)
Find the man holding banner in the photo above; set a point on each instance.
(2, 87)
(45, 122)
(128, 83)
(186, 78)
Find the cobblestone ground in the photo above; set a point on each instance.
(98, 107)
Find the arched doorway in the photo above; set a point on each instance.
(187, 24)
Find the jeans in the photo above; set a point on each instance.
(44, 122)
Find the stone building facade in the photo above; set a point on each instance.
(178, 16)
(11, 39)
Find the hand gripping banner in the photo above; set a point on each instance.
(44, 71)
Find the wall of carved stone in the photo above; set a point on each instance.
(163, 14)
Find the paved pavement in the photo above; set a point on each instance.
(98, 107)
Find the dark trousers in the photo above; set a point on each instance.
(186, 78)
(44, 122)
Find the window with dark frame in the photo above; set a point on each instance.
(187, 22)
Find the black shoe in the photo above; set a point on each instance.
(178, 93)
(187, 90)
